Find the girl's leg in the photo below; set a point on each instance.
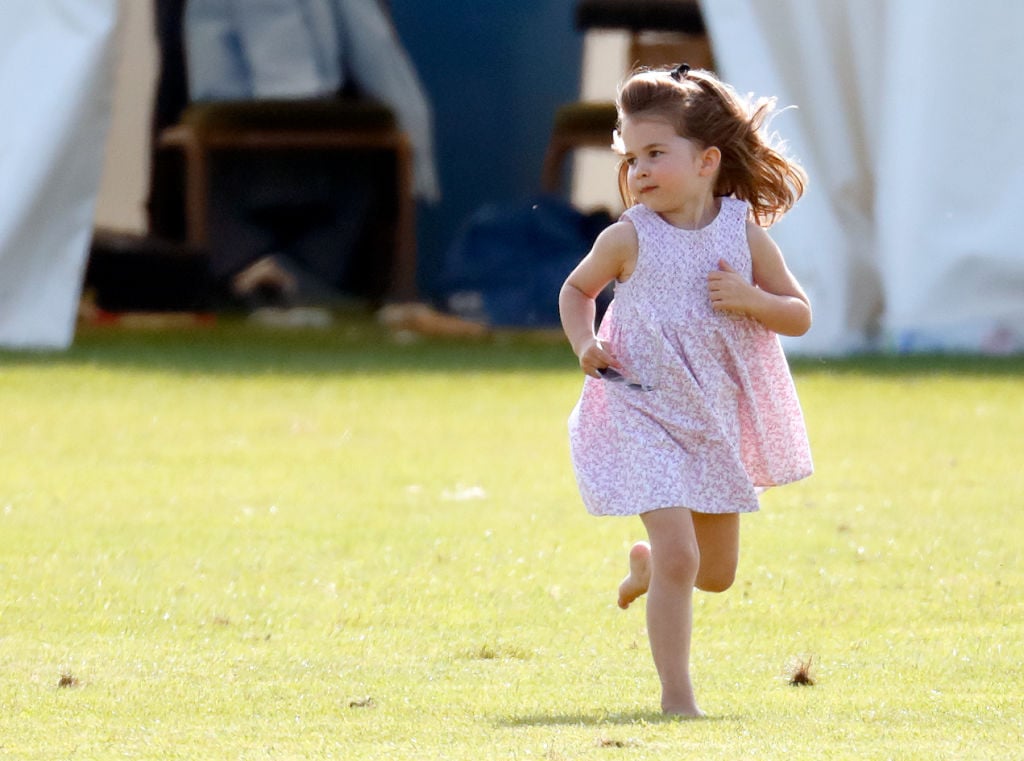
(718, 538)
(674, 562)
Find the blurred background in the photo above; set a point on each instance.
(473, 190)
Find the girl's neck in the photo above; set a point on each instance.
(694, 215)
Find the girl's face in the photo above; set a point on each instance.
(664, 171)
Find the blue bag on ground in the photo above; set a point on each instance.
(508, 262)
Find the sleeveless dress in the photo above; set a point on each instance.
(708, 416)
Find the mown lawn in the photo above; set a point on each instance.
(235, 543)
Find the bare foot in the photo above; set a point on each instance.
(685, 711)
(639, 578)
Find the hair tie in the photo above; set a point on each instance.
(679, 72)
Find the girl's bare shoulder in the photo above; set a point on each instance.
(619, 243)
(618, 236)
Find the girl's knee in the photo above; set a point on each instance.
(718, 580)
(680, 567)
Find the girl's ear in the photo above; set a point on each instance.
(710, 160)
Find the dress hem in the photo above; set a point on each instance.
(740, 511)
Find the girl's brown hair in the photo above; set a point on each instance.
(702, 108)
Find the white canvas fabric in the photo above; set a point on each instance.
(56, 84)
(909, 238)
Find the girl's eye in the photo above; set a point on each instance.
(655, 154)
(631, 161)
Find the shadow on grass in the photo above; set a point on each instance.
(910, 365)
(358, 346)
(602, 718)
(352, 347)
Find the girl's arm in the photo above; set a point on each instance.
(776, 299)
(613, 257)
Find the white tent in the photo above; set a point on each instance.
(911, 237)
(56, 66)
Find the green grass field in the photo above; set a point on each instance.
(235, 543)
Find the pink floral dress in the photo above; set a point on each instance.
(707, 415)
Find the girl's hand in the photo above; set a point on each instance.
(594, 358)
(730, 293)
